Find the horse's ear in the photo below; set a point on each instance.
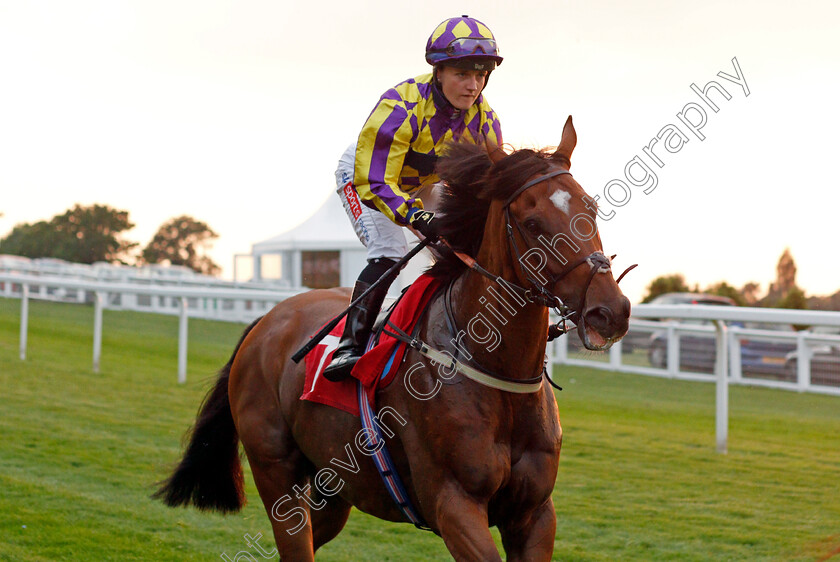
(567, 143)
(495, 152)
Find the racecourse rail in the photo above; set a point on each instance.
(244, 304)
(228, 304)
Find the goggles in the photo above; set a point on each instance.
(470, 46)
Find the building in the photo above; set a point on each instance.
(322, 252)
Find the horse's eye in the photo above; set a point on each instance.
(532, 226)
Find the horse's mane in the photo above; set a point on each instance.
(471, 181)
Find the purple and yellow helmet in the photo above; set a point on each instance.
(464, 42)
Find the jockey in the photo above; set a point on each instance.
(382, 177)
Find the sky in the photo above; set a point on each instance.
(236, 113)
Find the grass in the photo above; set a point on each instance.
(639, 478)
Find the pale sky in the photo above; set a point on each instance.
(237, 112)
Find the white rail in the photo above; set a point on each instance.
(728, 366)
(244, 305)
(198, 302)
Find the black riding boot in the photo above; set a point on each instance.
(356, 331)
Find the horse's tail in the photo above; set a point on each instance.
(210, 474)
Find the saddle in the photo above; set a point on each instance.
(378, 366)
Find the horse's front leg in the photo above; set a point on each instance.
(462, 521)
(531, 537)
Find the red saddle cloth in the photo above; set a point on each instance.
(377, 367)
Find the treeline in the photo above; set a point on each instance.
(96, 234)
(782, 293)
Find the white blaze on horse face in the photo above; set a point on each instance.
(560, 199)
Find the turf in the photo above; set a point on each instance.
(639, 477)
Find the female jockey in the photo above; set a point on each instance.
(383, 176)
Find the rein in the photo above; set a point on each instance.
(539, 293)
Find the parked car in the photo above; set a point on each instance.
(825, 365)
(692, 298)
(825, 361)
(698, 351)
(766, 357)
(635, 339)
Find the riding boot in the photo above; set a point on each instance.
(357, 329)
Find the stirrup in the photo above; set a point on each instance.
(341, 366)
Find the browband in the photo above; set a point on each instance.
(534, 182)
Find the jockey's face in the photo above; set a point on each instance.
(461, 87)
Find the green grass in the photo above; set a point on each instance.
(639, 478)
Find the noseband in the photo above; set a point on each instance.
(539, 293)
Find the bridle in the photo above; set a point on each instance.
(539, 293)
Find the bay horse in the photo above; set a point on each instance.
(470, 456)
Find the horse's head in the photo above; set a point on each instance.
(525, 218)
(550, 223)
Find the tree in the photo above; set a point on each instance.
(81, 234)
(182, 241)
(749, 292)
(831, 302)
(37, 240)
(724, 289)
(794, 298)
(674, 283)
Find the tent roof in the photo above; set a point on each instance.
(327, 229)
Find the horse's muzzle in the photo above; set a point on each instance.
(602, 325)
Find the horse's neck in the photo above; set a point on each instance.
(506, 334)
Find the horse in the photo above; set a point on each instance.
(470, 455)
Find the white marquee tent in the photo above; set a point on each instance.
(326, 239)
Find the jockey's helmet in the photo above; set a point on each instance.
(463, 42)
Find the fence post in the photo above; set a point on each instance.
(97, 330)
(722, 387)
(672, 350)
(803, 363)
(24, 319)
(735, 372)
(615, 356)
(182, 342)
(561, 350)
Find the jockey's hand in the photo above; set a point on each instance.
(424, 222)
